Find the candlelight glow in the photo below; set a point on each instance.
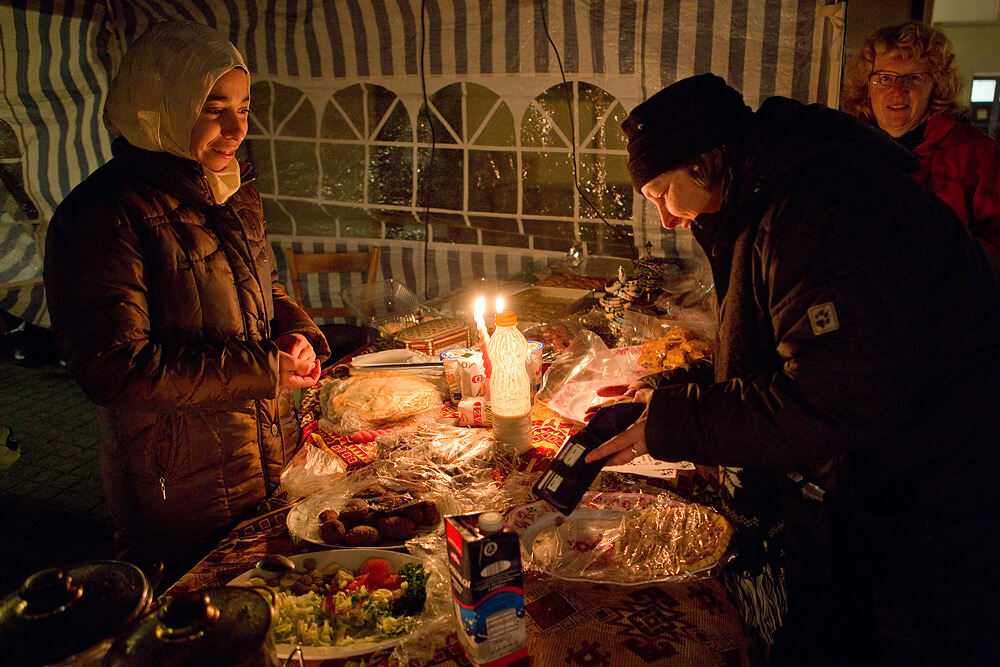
(499, 304)
(479, 308)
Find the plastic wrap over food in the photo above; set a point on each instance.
(311, 470)
(371, 401)
(623, 538)
(463, 461)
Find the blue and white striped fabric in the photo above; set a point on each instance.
(59, 56)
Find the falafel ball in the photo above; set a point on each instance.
(332, 532)
(432, 515)
(396, 527)
(362, 536)
(354, 511)
(372, 491)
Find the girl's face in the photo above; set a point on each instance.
(679, 198)
(222, 123)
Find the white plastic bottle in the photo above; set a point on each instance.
(510, 384)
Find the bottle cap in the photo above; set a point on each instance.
(490, 522)
(506, 319)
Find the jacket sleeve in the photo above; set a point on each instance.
(96, 286)
(289, 318)
(842, 343)
(985, 224)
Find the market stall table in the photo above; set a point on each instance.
(568, 622)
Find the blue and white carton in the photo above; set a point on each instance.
(487, 588)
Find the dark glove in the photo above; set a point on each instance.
(699, 371)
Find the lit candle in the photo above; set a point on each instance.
(499, 304)
(484, 336)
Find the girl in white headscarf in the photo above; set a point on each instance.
(164, 299)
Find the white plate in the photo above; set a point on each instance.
(303, 520)
(351, 559)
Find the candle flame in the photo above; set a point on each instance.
(480, 306)
(499, 304)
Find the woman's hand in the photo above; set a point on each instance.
(627, 445)
(616, 392)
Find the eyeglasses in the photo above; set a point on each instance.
(888, 80)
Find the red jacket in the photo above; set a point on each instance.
(961, 165)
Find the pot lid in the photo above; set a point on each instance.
(218, 626)
(59, 612)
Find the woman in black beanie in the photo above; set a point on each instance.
(859, 334)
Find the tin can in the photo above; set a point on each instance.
(450, 361)
(535, 349)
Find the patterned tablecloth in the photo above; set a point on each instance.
(568, 623)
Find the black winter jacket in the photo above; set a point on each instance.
(859, 320)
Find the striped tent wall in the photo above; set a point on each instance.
(59, 56)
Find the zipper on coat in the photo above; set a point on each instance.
(163, 488)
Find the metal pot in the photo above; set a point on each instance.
(228, 626)
(59, 613)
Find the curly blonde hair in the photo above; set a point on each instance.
(909, 40)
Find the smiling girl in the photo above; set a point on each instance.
(164, 298)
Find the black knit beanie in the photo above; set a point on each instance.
(679, 123)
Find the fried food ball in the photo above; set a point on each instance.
(373, 491)
(414, 513)
(354, 511)
(431, 512)
(332, 532)
(396, 527)
(386, 503)
(328, 515)
(362, 536)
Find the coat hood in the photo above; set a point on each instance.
(163, 83)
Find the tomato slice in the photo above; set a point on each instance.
(377, 568)
(391, 581)
(357, 582)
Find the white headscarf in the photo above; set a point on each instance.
(164, 80)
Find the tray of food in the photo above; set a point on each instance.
(622, 538)
(374, 516)
(340, 604)
(545, 304)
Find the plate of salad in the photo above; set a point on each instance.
(341, 603)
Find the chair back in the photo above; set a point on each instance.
(301, 263)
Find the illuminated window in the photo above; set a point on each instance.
(588, 118)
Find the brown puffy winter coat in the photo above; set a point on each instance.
(166, 307)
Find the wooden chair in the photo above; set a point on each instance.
(343, 338)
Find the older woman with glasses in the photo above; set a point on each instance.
(904, 79)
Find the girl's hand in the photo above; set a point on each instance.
(296, 373)
(297, 346)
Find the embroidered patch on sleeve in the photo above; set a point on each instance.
(823, 318)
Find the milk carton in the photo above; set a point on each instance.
(487, 588)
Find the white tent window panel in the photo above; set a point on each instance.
(333, 82)
(478, 176)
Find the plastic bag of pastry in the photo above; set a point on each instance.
(311, 469)
(375, 401)
(571, 383)
(624, 538)
(674, 346)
